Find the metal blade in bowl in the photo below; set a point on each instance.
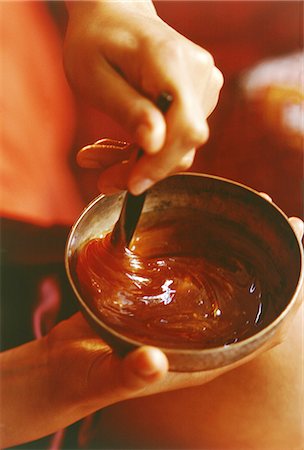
(133, 204)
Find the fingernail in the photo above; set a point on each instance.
(151, 364)
(147, 371)
(88, 159)
(90, 163)
(139, 185)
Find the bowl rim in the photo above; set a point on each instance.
(189, 351)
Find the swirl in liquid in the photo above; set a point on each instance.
(189, 284)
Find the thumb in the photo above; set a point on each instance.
(298, 226)
(141, 368)
(113, 379)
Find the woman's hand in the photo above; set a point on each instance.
(50, 383)
(121, 56)
(55, 381)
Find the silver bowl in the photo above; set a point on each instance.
(266, 224)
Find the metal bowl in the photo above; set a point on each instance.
(266, 224)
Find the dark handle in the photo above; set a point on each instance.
(124, 228)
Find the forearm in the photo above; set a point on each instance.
(31, 406)
(55, 381)
(25, 403)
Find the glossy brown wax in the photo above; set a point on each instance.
(196, 283)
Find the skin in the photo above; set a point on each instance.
(137, 56)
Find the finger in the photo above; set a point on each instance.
(136, 113)
(141, 367)
(149, 170)
(111, 379)
(91, 375)
(114, 179)
(102, 154)
(298, 226)
(174, 157)
(296, 223)
(188, 73)
(212, 91)
(186, 129)
(266, 196)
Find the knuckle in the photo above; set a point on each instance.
(205, 58)
(140, 113)
(196, 132)
(201, 133)
(218, 78)
(186, 161)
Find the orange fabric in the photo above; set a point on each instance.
(237, 33)
(37, 119)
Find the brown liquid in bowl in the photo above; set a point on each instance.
(198, 282)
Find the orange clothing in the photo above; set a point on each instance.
(37, 119)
